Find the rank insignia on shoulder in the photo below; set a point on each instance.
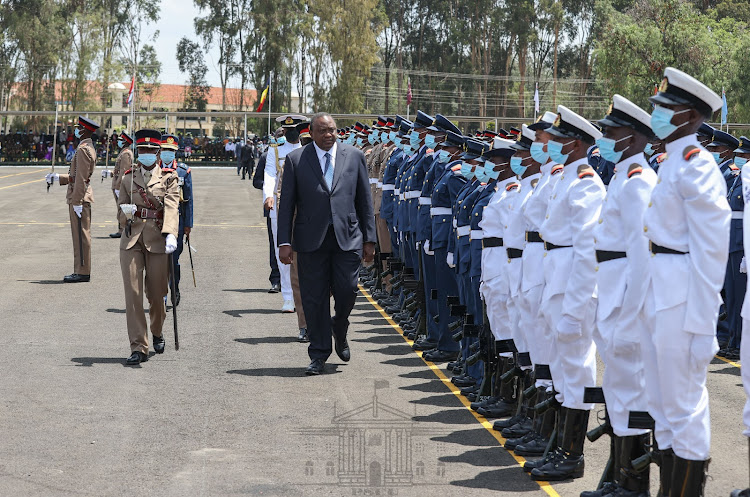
(512, 187)
(534, 182)
(557, 169)
(168, 169)
(585, 171)
(456, 168)
(733, 167)
(634, 169)
(690, 152)
(661, 158)
(128, 172)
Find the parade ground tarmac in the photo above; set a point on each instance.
(231, 412)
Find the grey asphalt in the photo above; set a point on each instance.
(231, 413)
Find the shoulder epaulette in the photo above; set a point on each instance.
(733, 167)
(456, 168)
(557, 169)
(511, 187)
(534, 182)
(128, 172)
(690, 152)
(661, 158)
(586, 171)
(634, 169)
(168, 169)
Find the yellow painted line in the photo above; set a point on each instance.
(25, 172)
(19, 184)
(735, 364)
(457, 392)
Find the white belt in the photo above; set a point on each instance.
(440, 211)
(401, 196)
(412, 194)
(379, 183)
(396, 191)
(737, 214)
(463, 230)
(476, 234)
(455, 223)
(387, 187)
(373, 181)
(425, 201)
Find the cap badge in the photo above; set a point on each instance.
(289, 120)
(148, 138)
(558, 121)
(664, 85)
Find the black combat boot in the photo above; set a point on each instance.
(632, 483)
(608, 488)
(569, 462)
(688, 477)
(544, 429)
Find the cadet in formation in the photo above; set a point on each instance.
(123, 163)
(504, 254)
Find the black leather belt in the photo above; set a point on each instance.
(658, 249)
(514, 253)
(608, 255)
(492, 242)
(533, 237)
(552, 246)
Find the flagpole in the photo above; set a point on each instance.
(269, 104)
(54, 140)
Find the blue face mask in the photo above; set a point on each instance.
(466, 171)
(77, 132)
(444, 156)
(407, 149)
(538, 153)
(120, 143)
(555, 151)
(661, 121)
(480, 174)
(740, 161)
(281, 140)
(392, 136)
(272, 141)
(360, 141)
(516, 167)
(607, 148)
(147, 160)
(414, 140)
(371, 138)
(717, 156)
(429, 140)
(167, 156)
(489, 171)
(649, 150)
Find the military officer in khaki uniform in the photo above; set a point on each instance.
(80, 197)
(149, 203)
(123, 163)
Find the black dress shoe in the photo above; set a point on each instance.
(466, 381)
(136, 358)
(159, 345)
(275, 288)
(77, 278)
(732, 354)
(342, 349)
(115, 235)
(424, 345)
(440, 356)
(302, 337)
(315, 367)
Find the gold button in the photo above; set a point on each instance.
(547, 216)
(596, 269)
(506, 226)
(645, 229)
(601, 220)
(476, 213)
(554, 196)
(562, 177)
(508, 261)
(545, 254)
(650, 204)
(659, 180)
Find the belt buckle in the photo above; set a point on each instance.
(527, 236)
(144, 213)
(651, 246)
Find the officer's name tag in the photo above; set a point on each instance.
(180, 181)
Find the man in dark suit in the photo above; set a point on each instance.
(326, 216)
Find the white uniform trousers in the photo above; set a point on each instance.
(538, 335)
(574, 364)
(745, 358)
(682, 360)
(514, 307)
(284, 270)
(495, 296)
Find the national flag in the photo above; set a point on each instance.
(132, 91)
(408, 94)
(263, 96)
(724, 110)
(536, 98)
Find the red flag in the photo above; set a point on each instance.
(408, 94)
(130, 93)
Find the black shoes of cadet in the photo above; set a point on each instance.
(115, 235)
(77, 278)
(342, 349)
(315, 367)
(159, 345)
(136, 358)
(275, 288)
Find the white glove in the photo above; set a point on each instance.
(117, 192)
(449, 260)
(569, 329)
(427, 247)
(78, 209)
(128, 210)
(52, 177)
(171, 244)
(743, 265)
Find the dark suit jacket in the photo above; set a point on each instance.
(304, 192)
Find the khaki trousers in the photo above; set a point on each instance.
(294, 276)
(85, 226)
(133, 263)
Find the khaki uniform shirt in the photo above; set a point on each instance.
(79, 175)
(123, 163)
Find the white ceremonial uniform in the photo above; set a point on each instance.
(570, 280)
(494, 286)
(688, 212)
(620, 285)
(515, 238)
(539, 335)
(270, 187)
(745, 346)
